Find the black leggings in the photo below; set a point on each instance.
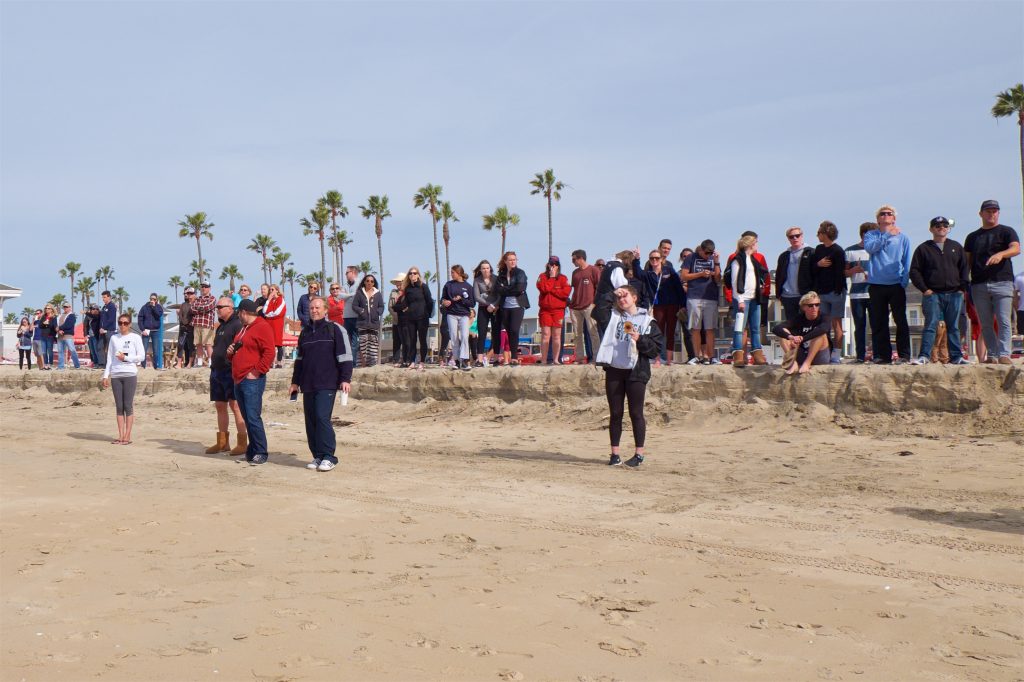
(415, 329)
(618, 387)
(280, 353)
(485, 319)
(26, 354)
(511, 321)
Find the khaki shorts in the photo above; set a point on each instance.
(203, 336)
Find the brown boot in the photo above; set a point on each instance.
(241, 445)
(222, 443)
(757, 357)
(739, 358)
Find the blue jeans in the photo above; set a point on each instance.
(945, 307)
(993, 300)
(317, 408)
(353, 338)
(47, 344)
(153, 344)
(94, 351)
(751, 322)
(249, 395)
(66, 344)
(859, 308)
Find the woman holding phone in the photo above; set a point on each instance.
(124, 352)
(631, 340)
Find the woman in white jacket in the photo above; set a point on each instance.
(631, 340)
(124, 352)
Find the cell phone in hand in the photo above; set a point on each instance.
(293, 396)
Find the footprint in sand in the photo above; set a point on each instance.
(624, 646)
(424, 643)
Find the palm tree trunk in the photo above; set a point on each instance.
(502, 245)
(380, 260)
(447, 263)
(550, 247)
(202, 267)
(291, 285)
(337, 264)
(323, 264)
(72, 299)
(1020, 124)
(437, 268)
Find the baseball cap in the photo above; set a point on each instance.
(989, 204)
(939, 220)
(248, 306)
(67, 305)
(190, 290)
(553, 260)
(204, 284)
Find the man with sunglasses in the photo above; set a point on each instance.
(222, 385)
(805, 339)
(252, 355)
(888, 275)
(794, 275)
(348, 289)
(151, 321)
(939, 270)
(186, 340)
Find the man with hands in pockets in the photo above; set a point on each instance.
(323, 365)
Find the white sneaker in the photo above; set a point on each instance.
(314, 464)
(715, 361)
(920, 361)
(325, 465)
(693, 361)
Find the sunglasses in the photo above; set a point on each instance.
(795, 236)
(812, 305)
(221, 307)
(414, 273)
(886, 213)
(655, 258)
(123, 323)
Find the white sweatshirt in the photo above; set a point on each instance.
(749, 281)
(131, 345)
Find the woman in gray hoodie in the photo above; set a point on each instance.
(487, 312)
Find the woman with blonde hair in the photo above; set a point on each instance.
(274, 310)
(415, 304)
(512, 301)
(746, 279)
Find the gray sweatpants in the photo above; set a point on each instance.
(123, 389)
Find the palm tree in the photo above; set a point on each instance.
(501, 219)
(70, 270)
(288, 277)
(84, 289)
(319, 216)
(446, 214)
(176, 282)
(196, 227)
(194, 283)
(429, 276)
(28, 312)
(1008, 103)
(162, 299)
(332, 200)
(547, 184)
(365, 267)
(377, 208)
(58, 300)
(263, 244)
(426, 198)
(121, 295)
(11, 318)
(202, 273)
(106, 273)
(130, 312)
(278, 260)
(338, 242)
(230, 273)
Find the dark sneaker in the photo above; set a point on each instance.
(257, 460)
(635, 461)
(614, 461)
(880, 361)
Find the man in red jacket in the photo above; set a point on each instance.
(252, 355)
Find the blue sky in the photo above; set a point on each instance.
(686, 120)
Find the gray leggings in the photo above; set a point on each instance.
(124, 394)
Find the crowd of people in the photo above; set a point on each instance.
(625, 312)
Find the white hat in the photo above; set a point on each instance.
(398, 279)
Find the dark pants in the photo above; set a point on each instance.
(415, 329)
(446, 336)
(94, 351)
(687, 338)
(317, 408)
(511, 321)
(396, 343)
(790, 306)
(859, 308)
(24, 355)
(485, 319)
(601, 316)
(618, 388)
(186, 345)
(101, 347)
(353, 337)
(249, 395)
(886, 298)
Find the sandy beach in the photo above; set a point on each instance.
(861, 523)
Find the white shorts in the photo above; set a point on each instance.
(703, 314)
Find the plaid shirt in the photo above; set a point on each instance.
(203, 311)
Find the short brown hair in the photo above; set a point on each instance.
(829, 229)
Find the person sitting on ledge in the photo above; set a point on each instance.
(805, 339)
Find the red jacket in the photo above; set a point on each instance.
(336, 310)
(257, 352)
(274, 312)
(766, 290)
(554, 292)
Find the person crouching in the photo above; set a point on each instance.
(805, 339)
(323, 365)
(630, 341)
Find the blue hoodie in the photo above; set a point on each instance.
(889, 258)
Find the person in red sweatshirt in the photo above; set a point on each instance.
(554, 290)
(252, 356)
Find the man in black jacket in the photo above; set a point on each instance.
(323, 365)
(939, 269)
(222, 385)
(793, 274)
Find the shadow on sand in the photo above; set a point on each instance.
(194, 449)
(998, 520)
(537, 456)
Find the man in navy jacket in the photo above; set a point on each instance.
(66, 337)
(108, 324)
(151, 319)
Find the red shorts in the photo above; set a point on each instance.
(552, 318)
